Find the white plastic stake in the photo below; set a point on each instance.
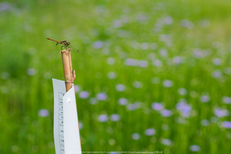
(66, 128)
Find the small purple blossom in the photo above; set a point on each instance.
(157, 106)
(134, 106)
(157, 62)
(167, 83)
(204, 122)
(150, 131)
(137, 84)
(31, 71)
(205, 98)
(221, 112)
(43, 113)
(135, 136)
(5, 6)
(131, 107)
(103, 118)
(131, 62)
(166, 113)
(217, 61)
(77, 88)
(122, 101)
(226, 100)
(120, 87)
(168, 20)
(177, 60)
(216, 74)
(111, 75)
(98, 44)
(93, 101)
(117, 23)
(80, 125)
(182, 91)
(143, 63)
(187, 24)
(101, 96)
(194, 148)
(84, 94)
(144, 45)
(166, 141)
(184, 108)
(115, 117)
(226, 124)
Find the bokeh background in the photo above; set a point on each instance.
(152, 75)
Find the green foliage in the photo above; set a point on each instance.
(179, 52)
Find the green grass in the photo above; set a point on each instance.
(125, 28)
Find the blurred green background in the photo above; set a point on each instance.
(151, 75)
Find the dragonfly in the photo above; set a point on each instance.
(64, 44)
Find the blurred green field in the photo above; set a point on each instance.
(151, 76)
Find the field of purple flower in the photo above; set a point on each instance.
(152, 76)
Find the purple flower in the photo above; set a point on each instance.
(166, 141)
(5, 6)
(184, 108)
(177, 60)
(31, 71)
(131, 62)
(226, 100)
(101, 96)
(93, 100)
(194, 148)
(187, 24)
(217, 61)
(167, 83)
(157, 106)
(80, 125)
(84, 94)
(117, 23)
(137, 84)
(217, 74)
(204, 122)
(166, 113)
(157, 62)
(143, 63)
(43, 113)
(102, 118)
(204, 98)
(144, 45)
(115, 117)
(226, 124)
(168, 20)
(135, 136)
(98, 44)
(111, 75)
(120, 87)
(131, 107)
(122, 101)
(182, 91)
(221, 113)
(77, 88)
(150, 131)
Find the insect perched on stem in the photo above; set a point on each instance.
(64, 44)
